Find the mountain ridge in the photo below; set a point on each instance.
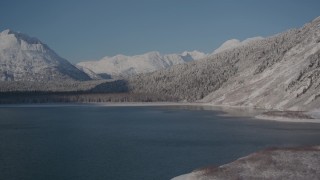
(125, 66)
(233, 43)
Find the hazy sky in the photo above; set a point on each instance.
(85, 30)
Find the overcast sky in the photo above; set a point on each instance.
(87, 30)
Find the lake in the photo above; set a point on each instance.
(84, 142)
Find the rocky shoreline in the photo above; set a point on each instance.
(272, 163)
(289, 116)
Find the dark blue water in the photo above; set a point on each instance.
(120, 143)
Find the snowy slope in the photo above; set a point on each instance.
(23, 58)
(233, 43)
(90, 73)
(277, 72)
(124, 66)
(280, 72)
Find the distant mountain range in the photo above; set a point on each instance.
(126, 66)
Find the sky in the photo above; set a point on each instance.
(80, 30)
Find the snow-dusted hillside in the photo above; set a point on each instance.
(23, 58)
(233, 43)
(280, 72)
(124, 66)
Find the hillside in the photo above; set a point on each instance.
(281, 71)
(233, 43)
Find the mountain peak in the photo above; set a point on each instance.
(24, 58)
(20, 36)
(7, 31)
(195, 55)
(152, 54)
(10, 31)
(184, 53)
(229, 44)
(233, 43)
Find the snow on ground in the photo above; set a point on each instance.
(233, 43)
(272, 163)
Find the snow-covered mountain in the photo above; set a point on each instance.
(277, 72)
(124, 66)
(23, 58)
(233, 43)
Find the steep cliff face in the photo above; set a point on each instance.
(281, 72)
(23, 58)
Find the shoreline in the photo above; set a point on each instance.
(269, 163)
(232, 111)
(111, 104)
(286, 119)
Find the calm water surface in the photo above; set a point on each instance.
(120, 143)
